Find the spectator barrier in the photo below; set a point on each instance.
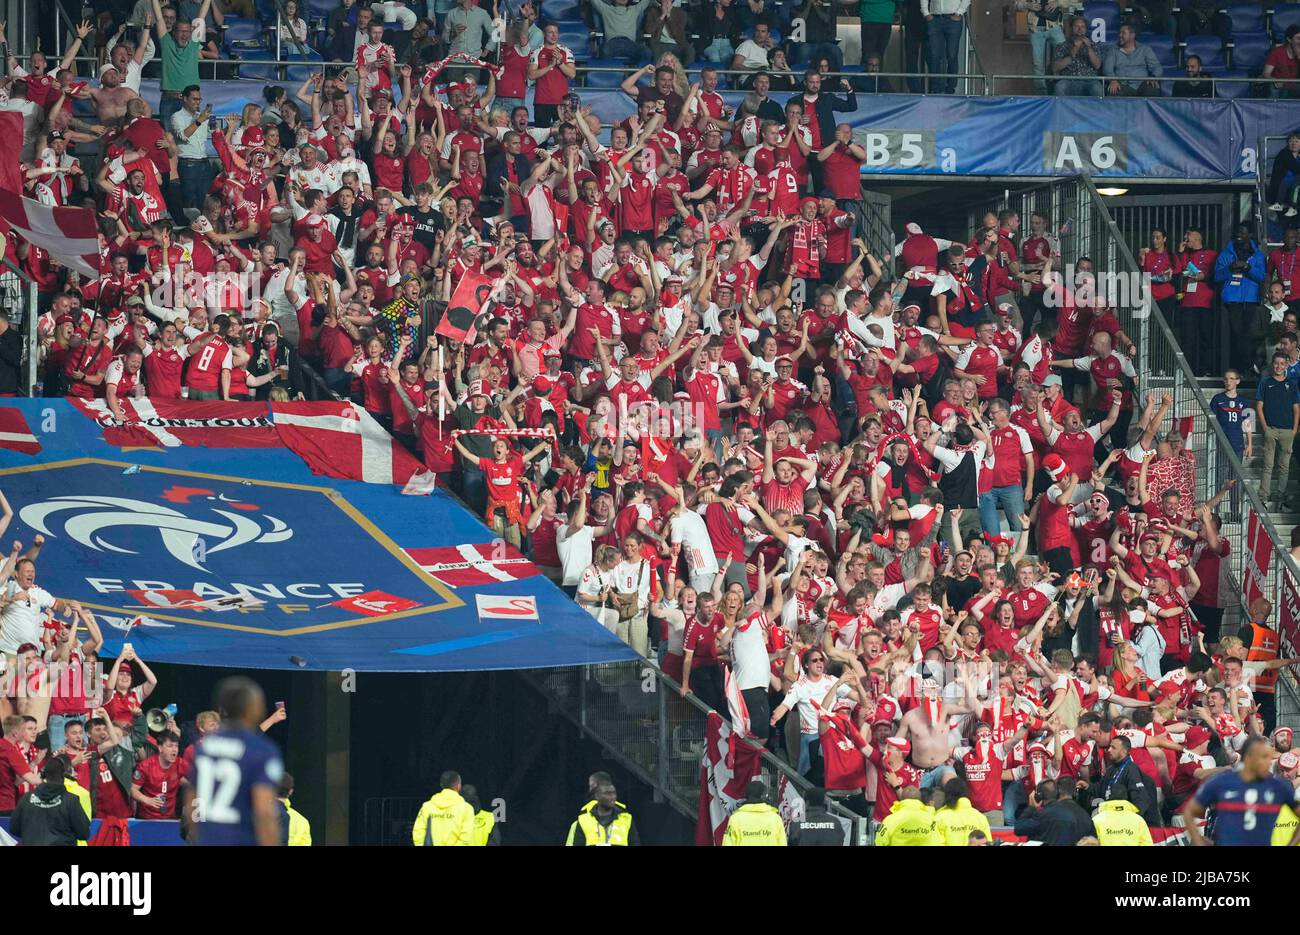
(154, 833)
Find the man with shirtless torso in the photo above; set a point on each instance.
(112, 96)
(927, 726)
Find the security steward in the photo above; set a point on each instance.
(818, 828)
(50, 815)
(446, 820)
(486, 833)
(755, 824)
(604, 822)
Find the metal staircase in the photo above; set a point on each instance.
(639, 717)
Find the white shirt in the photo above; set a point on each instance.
(805, 691)
(755, 57)
(322, 176)
(575, 551)
(794, 547)
(688, 528)
(858, 328)
(634, 576)
(750, 666)
(20, 621)
(887, 598)
(676, 620)
(132, 77)
(1150, 646)
(196, 145)
(593, 582)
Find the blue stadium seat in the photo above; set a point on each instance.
(1103, 20)
(799, 53)
(1245, 16)
(1232, 89)
(1249, 51)
(300, 73)
(321, 9)
(576, 37)
(241, 30)
(553, 10)
(1284, 15)
(859, 84)
(1162, 44)
(606, 79)
(250, 71)
(266, 11)
(1209, 48)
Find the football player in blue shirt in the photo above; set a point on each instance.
(1246, 802)
(231, 794)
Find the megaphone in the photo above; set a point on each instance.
(156, 719)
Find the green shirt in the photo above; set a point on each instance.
(877, 11)
(467, 418)
(180, 67)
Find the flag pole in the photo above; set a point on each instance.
(442, 383)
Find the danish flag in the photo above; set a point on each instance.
(375, 604)
(15, 434)
(468, 565)
(175, 423)
(340, 439)
(68, 235)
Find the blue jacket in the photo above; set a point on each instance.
(1243, 287)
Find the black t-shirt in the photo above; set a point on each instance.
(1193, 89)
(961, 590)
(427, 224)
(467, 418)
(673, 102)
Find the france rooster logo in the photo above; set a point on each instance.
(90, 519)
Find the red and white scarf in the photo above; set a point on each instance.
(804, 258)
(546, 434)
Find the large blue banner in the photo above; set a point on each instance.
(243, 558)
(1153, 138)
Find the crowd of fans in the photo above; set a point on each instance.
(911, 508)
(83, 742)
(1119, 49)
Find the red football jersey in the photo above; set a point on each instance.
(154, 779)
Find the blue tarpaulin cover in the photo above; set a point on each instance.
(242, 558)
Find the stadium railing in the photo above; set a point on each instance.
(639, 715)
(18, 296)
(1085, 228)
(977, 84)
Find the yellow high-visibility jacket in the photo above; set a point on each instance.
(755, 824)
(955, 824)
(1119, 822)
(910, 823)
(445, 820)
